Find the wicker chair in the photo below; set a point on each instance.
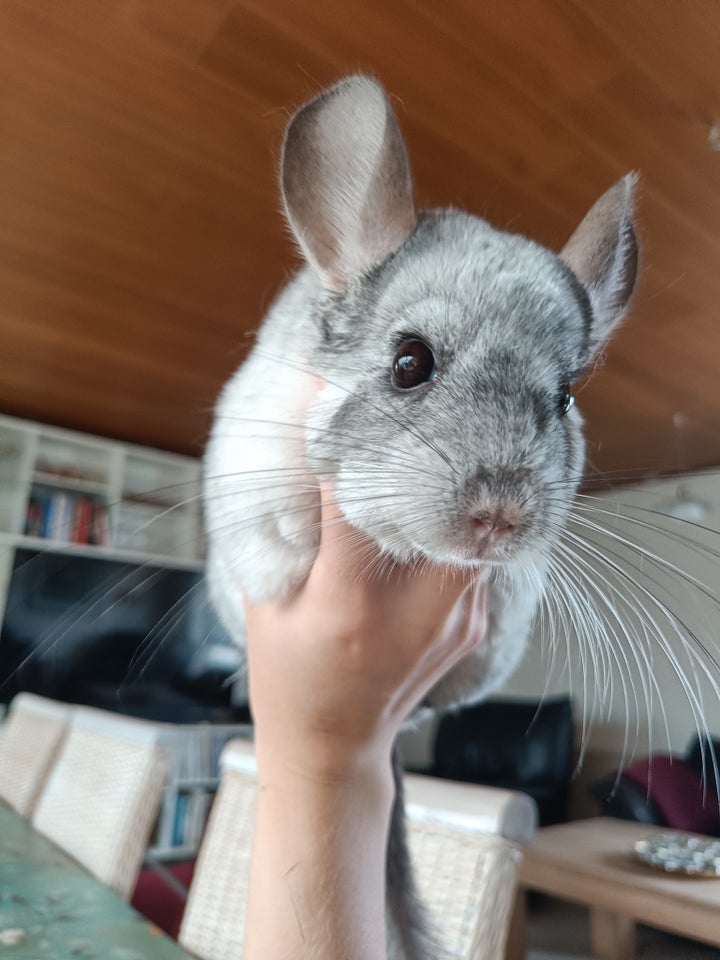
(30, 738)
(466, 845)
(213, 924)
(103, 795)
(465, 842)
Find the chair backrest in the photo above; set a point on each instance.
(30, 739)
(103, 794)
(213, 925)
(466, 846)
(465, 843)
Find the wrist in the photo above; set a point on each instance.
(323, 762)
(319, 858)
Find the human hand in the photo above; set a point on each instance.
(336, 668)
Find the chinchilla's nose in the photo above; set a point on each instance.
(495, 522)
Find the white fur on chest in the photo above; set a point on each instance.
(261, 503)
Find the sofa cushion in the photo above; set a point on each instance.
(678, 793)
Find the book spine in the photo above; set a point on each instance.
(99, 524)
(180, 823)
(83, 521)
(61, 513)
(47, 519)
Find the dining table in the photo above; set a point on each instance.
(51, 908)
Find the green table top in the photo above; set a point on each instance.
(52, 909)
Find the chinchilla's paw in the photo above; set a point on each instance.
(261, 561)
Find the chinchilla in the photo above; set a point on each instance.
(446, 350)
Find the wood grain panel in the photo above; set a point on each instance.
(140, 235)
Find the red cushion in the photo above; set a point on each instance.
(678, 793)
(159, 902)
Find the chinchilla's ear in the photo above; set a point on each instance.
(603, 255)
(346, 180)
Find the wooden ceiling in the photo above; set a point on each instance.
(140, 234)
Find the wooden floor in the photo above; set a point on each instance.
(557, 930)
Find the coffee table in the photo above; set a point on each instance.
(591, 862)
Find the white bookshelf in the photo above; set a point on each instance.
(67, 492)
(194, 751)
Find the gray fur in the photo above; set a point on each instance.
(509, 322)
(348, 134)
(409, 934)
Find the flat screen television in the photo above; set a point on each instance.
(138, 639)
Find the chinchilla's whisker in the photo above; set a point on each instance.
(659, 586)
(257, 479)
(637, 649)
(673, 522)
(560, 597)
(88, 606)
(661, 564)
(588, 615)
(232, 528)
(557, 611)
(586, 522)
(246, 484)
(301, 428)
(674, 570)
(287, 490)
(644, 563)
(612, 507)
(213, 630)
(272, 475)
(109, 585)
(603, 641)
(103, 599)
(623, 669)
(378, 565)
(404, 424)
(316, 526)
(295, 431)
(548, 629)
(167, 622)
(641, 648)
(582, 586)
(290, 492)
(611, 479)
(633, 584)
(693, 694)
(578, 617)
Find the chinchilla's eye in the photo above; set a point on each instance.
(414, 364)
(565, 399)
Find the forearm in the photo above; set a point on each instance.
(333, 671)
(317, 882)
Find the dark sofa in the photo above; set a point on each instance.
(676, 792)
(515, 745)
